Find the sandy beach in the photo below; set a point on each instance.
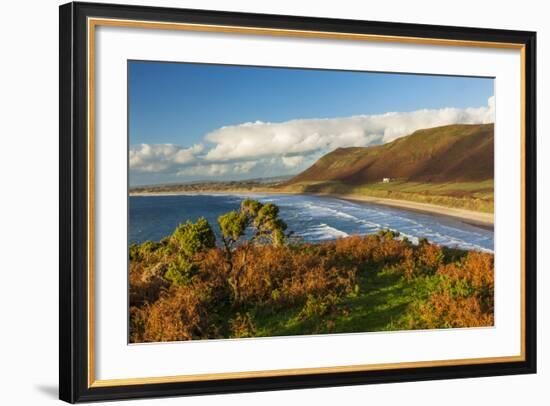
(476, 218)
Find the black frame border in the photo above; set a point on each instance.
(73, 202)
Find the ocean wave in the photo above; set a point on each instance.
(318, 209)
(323, 232)
(370, 224)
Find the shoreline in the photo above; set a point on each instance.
(474, 218)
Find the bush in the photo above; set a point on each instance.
(192, 238)
(179, 314)
(464, 296)
(180, 272)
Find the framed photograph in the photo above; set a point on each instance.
(258, 202)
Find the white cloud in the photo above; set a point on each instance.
(161, 157)
(292, 161)
(218, 169)
(244, 167)
(253, 140)
(269, 149)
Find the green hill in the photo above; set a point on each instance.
(455, 153)
(449, 166)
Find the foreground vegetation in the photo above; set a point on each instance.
(256, 280)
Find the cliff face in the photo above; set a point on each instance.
(454, 153)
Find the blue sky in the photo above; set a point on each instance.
(187, 121)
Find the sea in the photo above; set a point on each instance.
(311, 218)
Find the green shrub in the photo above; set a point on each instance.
(180, 272)
(192, 238)
(388, 234)
(232, 226)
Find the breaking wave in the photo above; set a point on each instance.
(323, 232)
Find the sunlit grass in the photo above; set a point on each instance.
(476, 196)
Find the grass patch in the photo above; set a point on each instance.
(381, 305)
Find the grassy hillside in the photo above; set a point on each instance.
(450, 166)
(455, 153)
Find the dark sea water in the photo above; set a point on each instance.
(313, 218)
